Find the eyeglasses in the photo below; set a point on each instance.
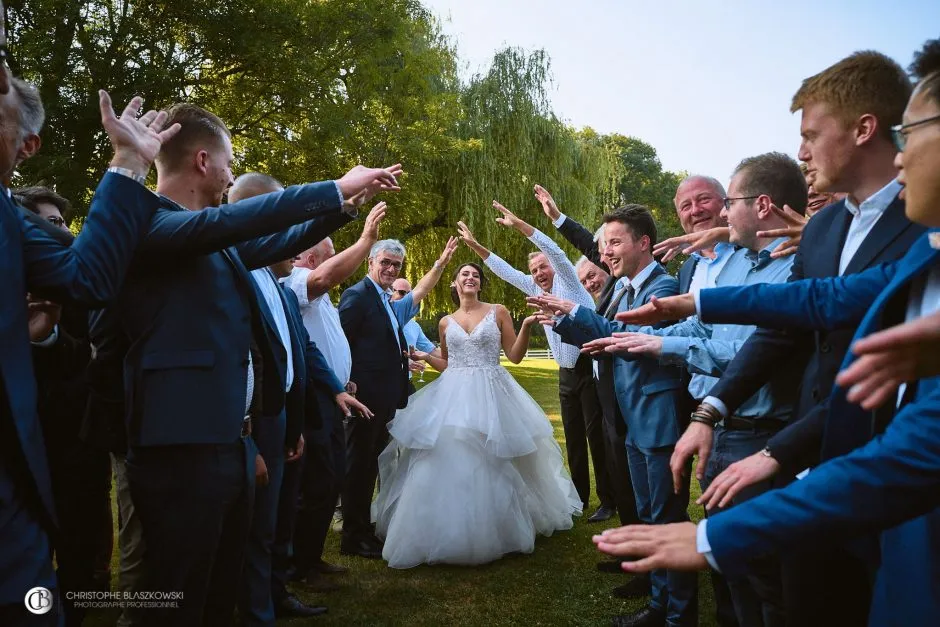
(899, 132)
(401, 293)
(387, 263)
(56, 220)
(727, 201)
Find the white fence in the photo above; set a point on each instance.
(535, 353)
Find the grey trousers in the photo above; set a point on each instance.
(130, 541)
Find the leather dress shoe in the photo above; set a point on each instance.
(362, 547)
(292, 607)
(325, 568)
(603, 513)
(647, 617)
(637, 588)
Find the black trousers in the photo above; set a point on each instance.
(285, 526)
(583, 420)
(194, 503)
(615, 449)
(365, 439)
(81, 484)
(323, 476)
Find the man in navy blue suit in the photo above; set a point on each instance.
(90, 271)
(191, 318)
(279, 437)
(373, 326)
(894, 477)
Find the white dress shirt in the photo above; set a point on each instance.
(864, 218)
(565, 285)
(272, 297)
(321, 320)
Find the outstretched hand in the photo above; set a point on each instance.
(660, 310)
(508, 218)
(690, 243)
(900, 354)
(670, 546)
(448, 253)
(370, 230)
(136, 141)
(793, 231)
(547, 202)
(369, 181)
(350, 406)
(550, 304)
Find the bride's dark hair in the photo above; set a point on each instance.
(453, 290)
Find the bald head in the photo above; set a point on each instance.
(253, 184)
(313, 257)
(400, 287)
(699, 201)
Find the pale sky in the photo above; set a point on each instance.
(706, 83)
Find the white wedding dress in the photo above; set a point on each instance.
(473, 470)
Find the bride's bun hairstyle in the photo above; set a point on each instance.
(453, 289)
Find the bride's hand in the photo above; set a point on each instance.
(417, 355)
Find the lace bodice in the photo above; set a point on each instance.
(477, 349)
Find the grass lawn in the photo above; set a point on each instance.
(558, 584)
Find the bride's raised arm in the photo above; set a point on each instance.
(514, 346)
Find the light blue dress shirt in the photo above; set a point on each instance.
(706, 350)
(399, 312)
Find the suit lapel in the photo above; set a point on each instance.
(610, 287)
(887, 229)
(379, 304)
(839, 230)
(686, 272)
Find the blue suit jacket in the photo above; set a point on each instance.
(189, 305)
(889, 480)
(379, 368)
(311, 396)
(91, 270)
(649, 395)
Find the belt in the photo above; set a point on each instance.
(246, 427)
(757, 425)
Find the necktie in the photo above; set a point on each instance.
(630, 294)
(614, 303)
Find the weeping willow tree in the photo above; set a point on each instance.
(509, 140)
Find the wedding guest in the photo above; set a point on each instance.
(373, 326)
(315, 272)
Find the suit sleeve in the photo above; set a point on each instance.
(582, 239)
(91, 270)
(351, 312)
(893, 478)
(810, 304)
(214, 228)
(797, 446)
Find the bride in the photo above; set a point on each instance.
(473, 470)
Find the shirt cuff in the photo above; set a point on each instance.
(702, 545)
(561, 220)
(715, 402)
(49, 341)
(674, 350)
(574, 311)
(698, 302)
(352, 212)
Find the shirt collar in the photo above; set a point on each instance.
(721, 249)
(378, 288)
(760, 259)
(641, 276)
(877, 202)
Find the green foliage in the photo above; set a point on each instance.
(310, 89)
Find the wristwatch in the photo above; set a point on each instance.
(129, 174)
(766, 452)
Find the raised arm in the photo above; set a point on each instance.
(342, 265)
(521, 281)
(430, 279)
(93, 268)
(571, 230)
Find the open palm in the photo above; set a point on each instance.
(136, 141)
